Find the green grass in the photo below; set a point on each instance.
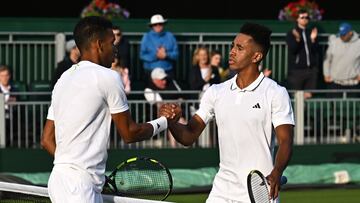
(321, 196)
(290, 196)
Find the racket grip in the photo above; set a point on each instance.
(283, 180)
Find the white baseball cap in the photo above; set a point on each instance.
(157, 19)
(70, 45)
(158, 73)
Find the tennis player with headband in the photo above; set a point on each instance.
(84, 100)
(247, 108)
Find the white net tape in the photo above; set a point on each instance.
(43, 192)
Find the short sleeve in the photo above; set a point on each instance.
(206, 110)
(115, 94)
(281, 109)
(50, 115)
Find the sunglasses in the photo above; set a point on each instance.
(304, 17)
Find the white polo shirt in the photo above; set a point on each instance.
(244, 118)
(83, 100)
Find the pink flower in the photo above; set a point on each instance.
(290, 11)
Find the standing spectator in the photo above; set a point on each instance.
(341, 66)
(7, 88)
(303, 55)
(124, 74)
(122, 46)
(203, 74)
(216, 61)
(72, 56)
(158, 48)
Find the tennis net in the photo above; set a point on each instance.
(21, 193)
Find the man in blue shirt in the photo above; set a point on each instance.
(158, 47)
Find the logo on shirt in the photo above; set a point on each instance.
(256, 106)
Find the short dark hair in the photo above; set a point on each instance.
(301, 11)
(259, 33)
(90, 28)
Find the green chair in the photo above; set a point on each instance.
(20, 86)
(41, 87)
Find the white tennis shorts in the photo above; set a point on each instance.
(69, 184)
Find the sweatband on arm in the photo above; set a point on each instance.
(159, 124)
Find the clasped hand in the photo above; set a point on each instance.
(171, 111)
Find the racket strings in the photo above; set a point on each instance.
(143, 181)
(259, 189)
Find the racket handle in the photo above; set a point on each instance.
(283, 180)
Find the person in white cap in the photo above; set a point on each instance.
(155, 95)
(158, 47)
(72, 56)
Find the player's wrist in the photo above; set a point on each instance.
(159, 125)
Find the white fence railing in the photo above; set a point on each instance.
(329, 117)
(33, 55)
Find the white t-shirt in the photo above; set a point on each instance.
(83, 100)
(244, 118)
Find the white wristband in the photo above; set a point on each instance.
(159, 125)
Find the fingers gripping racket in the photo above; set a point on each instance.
(258, 187)
(140, 177)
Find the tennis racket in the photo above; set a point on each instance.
(140, 177)
(258, 187)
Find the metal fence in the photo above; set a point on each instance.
(327, 118)
(33, 55)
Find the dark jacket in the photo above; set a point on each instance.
(62, 66)
(123, 52)
(297, 52)
(196, 80)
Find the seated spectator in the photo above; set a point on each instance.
(160, 81)
(124, 74)
(72, 56)
(203, 74)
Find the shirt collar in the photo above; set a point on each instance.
(251, 87)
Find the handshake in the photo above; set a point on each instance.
(171, 111)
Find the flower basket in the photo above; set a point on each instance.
(290, 11)
(106, 9)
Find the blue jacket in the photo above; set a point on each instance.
(149, 44)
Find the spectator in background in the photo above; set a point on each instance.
(7, 88)
(303, 55)
(124, 74)
(203, 74)
(72, 56)
(155, 96)
(122, 48)
(341, 67)
(216, 61)
(158, 48)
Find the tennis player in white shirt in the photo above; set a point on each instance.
(84, 101)
(247, 108)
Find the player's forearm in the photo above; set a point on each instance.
(187, 134)
(283, 157)
(139, 132)
(48, 137)
(285, 142)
